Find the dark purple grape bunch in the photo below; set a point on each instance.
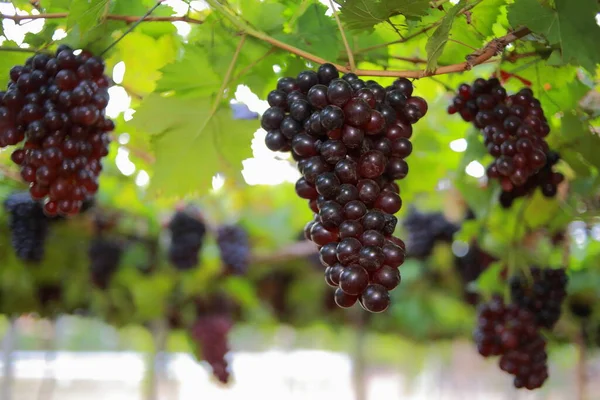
(210, 333)
(350, 139)
(105, 256)
(543, 295)
(546, 180)
(234, 247)
(28, 226)
(187, 237)
(512, 333)
(514, 129)
(56, 104)
(424, 230)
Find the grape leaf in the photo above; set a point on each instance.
(86, 14)
(144, 56)
(182, 76)
(314, 32)
(191, 143)
(578, 136)
(363, 15)
(485, 15)
(535, 16)
(55, 5)
(436, 43)
(572, 28)
(268, 16)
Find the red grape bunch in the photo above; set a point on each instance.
(211, 332)
(56, 105)
(512, 333)
(350, 139)
(514, 129)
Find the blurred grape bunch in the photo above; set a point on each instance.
(187, 237)
(424, 230)
(234, 247)
(28, 226)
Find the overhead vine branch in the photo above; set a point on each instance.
(478, 57)
(112, 17)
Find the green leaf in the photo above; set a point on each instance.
(54, 5)
(436, 43)
(268, 15)
(577, 136)
(38, 40)
(314, 32)
(86, 14)
(532, 14)
(144, 56)
(485, 15)
(192, 143)
(572, 28)
(360, 15)
(183, 75)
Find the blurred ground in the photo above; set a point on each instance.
(281, 375)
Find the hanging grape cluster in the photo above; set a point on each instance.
(187, 238)
(56, 104)
(210, 332)
(514, 130)
(542, 293)
(234, 247)
(424, 230)
(105, 256)
(350, 139)
(28, 226)
(513, 331)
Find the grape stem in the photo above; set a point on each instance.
(344, 39)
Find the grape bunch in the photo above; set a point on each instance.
(424, 230)
(187, 237)
(546, 179)
(56, 104)
(512, 333)
(234, 246)
(28, 226)
(514, 129)
(105, 256)
(210, 333)
(350, 139)
(543, 296)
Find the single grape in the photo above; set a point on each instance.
(387, 276)
(328, 254)
(375, 298)
(344, 300)
(348, 250)
(353, 280)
